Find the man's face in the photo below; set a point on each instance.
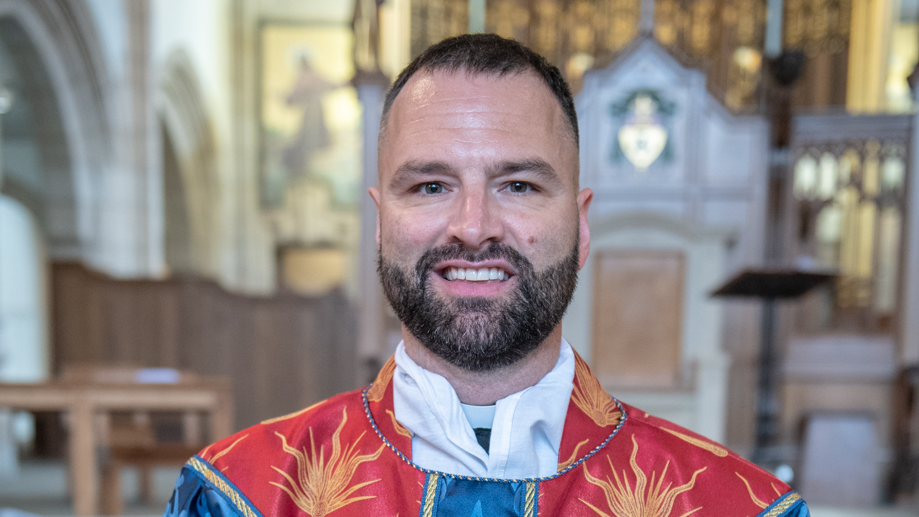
(481, 227)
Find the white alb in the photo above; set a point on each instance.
(526, 432)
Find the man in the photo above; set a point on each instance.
(484, 409)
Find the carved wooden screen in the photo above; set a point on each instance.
(723, 37)
(849, 191)
(571, 34)
(638, 317)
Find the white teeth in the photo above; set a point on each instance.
(476, 275)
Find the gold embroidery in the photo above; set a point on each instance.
(756, 500)
(220, 454)
(783, 505)
(223, 486)
(563, 465)
(375, 393)
(322, 488)
(590, 397)
(530, 506)
(654, 501)
(292, 415)
(399, 429)
(721, 452)
(429, 494)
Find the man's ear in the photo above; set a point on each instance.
(375, 194)
(584, 199)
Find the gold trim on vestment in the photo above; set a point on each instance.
(205, 469)
(530, 507)
(785, 504)
(429, 492)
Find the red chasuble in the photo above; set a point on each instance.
(349, 456)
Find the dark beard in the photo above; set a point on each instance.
(474, 333)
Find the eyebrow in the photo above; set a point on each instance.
(537, 166)
(418, 168)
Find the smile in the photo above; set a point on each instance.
(485, 274)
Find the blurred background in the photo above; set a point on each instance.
(186, 242)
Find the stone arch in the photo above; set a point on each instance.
(187, 133)
(74, 140)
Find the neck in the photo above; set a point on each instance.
(485, 388)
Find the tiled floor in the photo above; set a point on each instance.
(40, 488)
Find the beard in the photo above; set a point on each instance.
(480, 334)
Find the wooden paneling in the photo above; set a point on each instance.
(637, 320)
(282, 352)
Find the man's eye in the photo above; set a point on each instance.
(433, 188)
(519, 187)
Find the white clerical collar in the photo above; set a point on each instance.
(526, 429)
(479, 417)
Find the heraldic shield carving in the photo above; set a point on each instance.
(644, 129)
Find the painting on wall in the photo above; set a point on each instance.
(310, 145)
(310, 115)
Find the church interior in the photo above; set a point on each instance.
(187, 244)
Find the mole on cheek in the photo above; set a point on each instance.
(532, 239)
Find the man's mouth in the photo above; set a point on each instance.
(484, 274)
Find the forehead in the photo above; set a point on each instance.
(450, 113)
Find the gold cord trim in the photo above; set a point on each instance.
(530, 510)
(429, 495)
(227, 490)
(786, 503)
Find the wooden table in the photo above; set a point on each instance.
(84, 400)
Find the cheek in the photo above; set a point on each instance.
(545, 241)
(407, 237)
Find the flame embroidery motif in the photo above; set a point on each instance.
(294, 414)
(574, 455)
(645, 499)
(591, 398)
(399, 427)
(322, 486)
(756, 500)
(721, 452)
(375, 393)
(222, 453)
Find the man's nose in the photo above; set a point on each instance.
(476, 220)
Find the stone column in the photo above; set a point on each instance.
(9, 461)
(371, 89)
(909, 331)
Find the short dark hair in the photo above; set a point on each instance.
(485, 54)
